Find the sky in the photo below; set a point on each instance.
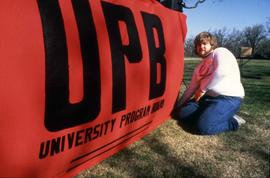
(232, 14)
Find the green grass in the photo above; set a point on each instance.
(171, 152)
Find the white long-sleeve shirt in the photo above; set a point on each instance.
(226, 78)
(218, 72)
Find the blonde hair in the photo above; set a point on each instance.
(205, 37)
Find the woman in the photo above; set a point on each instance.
(215, 93)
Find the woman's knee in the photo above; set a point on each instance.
(206, 129)
(188, 110)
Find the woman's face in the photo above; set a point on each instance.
(204, 48)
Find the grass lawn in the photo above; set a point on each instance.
(171, 152)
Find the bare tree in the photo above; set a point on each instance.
(263, 49)
(189, 47)
(234, 42)
(253, 35)
(222, 36)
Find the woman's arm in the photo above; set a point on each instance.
(193, 86)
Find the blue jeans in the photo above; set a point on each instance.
(211, 115)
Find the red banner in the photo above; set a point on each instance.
(80, 80)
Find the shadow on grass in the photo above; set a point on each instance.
(160, 163)
(251, 142)
(263, 155)
(179, 168)
(246, 150)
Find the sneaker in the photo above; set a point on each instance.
(239, 119)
